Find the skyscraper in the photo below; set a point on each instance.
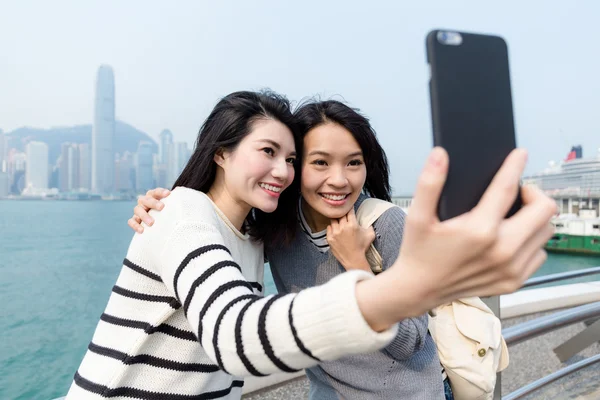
(15, 167)
(73, 167)
(166, 139)
(3, 149)
(85, 164)
(123, 166)
(103, 132)
(68, 174)
(179, 155)
(37, 169)
(3, 184)
(143, 176)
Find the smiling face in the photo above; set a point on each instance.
(260, 167)
(333, 174)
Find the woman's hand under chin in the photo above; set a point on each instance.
(349, 242)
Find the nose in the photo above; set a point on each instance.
(337, 178)
(280, 170)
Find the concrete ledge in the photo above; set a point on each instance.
(545, 299)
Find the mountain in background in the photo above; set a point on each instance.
(126, 138)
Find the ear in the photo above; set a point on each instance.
(219, 157)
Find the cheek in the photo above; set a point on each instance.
(361, 179)
(254, 167)
(291, 176)
(309, 181)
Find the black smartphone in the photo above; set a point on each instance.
(472, 114)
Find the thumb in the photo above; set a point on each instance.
(429, 186)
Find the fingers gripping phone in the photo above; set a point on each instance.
(472, 114)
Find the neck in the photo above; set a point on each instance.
(317, 222)
(235, 211)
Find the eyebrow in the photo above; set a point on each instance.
(326, 154)
(274, 144)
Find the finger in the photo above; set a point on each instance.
(538, 259)
(429, 187)
(141, 212)
(134, 225)
(351, 217)
(371, 233)
(534, 216)
(535, 243)
(150, 203)
(158, 193)
(512, 257)
(502, 191)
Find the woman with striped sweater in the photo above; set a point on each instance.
(186, 319)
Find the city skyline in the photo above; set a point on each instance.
(94, 168)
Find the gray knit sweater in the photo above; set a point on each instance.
(408, 368)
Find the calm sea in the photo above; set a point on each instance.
(58, 263)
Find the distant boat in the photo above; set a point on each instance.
(576, 233)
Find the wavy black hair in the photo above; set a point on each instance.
(229, 122)
(315, 113)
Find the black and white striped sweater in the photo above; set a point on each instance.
(186, 317)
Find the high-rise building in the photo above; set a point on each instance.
(63, 168)
(166, 139)
(15, 167)
(143, 175)
(3, 150)
(68, 174)
(73, 167)
(3, 184)
(103, 132)
(85, 167)
(123, 166)
(179, 155)
(37, 168)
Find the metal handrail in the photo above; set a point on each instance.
(532, 387)
(539, 326)
(560, 277)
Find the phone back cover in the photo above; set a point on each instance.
(472, 112)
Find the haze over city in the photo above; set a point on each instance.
(172, 62)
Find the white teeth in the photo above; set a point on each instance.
(334, 197)
(269, 187)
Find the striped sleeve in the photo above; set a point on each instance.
(246, 334)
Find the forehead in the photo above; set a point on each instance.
(331, 138)
(271, 130)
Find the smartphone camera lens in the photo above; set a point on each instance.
(449, 38)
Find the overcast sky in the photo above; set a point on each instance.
(173, 60)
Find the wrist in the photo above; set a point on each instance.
(361, 263)
(386, 299)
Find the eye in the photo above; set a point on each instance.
(355, 163)
(291, 161)
(320, 163)
(269, 151)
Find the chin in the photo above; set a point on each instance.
(266, 207)
(334, 214)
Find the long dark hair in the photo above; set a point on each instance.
(228, 123)
(312, 114)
